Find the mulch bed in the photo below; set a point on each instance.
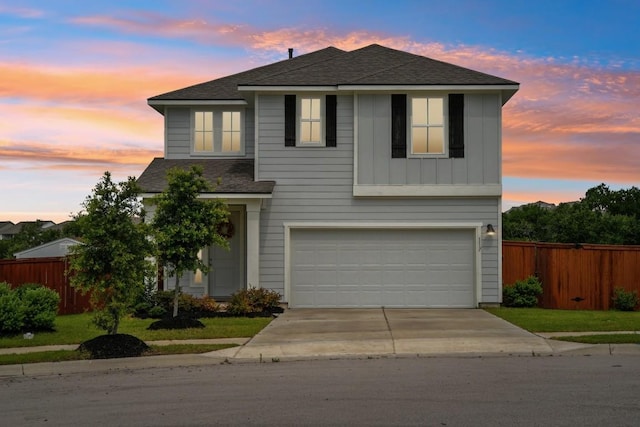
(113, 346)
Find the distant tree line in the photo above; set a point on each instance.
(602, 216)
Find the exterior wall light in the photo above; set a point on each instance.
(490, 230)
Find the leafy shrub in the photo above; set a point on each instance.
(30, 307)
(157, 312)
(161, 305)
(5, 288)
(11, 313)
(523, 293)
(254, 300)
(625, 301)
(40, 307)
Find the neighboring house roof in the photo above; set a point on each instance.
(14, 229)
(55, 248)
(373, 65)
(236, 175)
(5, 226)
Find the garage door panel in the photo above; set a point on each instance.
(373, 268)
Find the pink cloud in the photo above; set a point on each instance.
(569, 120)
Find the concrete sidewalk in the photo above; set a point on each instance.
(71, 347)
(300, 334)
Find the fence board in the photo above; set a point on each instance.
(49, 272)
(573, 276)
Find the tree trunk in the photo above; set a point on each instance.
(176, 296)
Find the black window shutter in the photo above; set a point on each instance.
(331, 113)
(289, 120)
(398, 126)
(456, 125)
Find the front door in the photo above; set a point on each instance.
(227, 273)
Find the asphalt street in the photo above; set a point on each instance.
(430, 391)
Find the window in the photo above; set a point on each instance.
(423, 128)
(310, 121)
(217, 132)
(427, 125)
(230, 131)
(203, 132)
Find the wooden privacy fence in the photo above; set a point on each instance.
(573, 276)
(49, 272)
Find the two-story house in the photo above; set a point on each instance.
(367, 178)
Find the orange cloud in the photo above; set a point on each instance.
(35, 154)
(569, 120)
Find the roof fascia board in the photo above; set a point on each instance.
(426, 87)
(183, 102)
(220, 195)
(288, 88)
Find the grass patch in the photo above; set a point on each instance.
(603, 339)
(67, 355)
(41, 356)
(544, 320)
(157, 350)
(76, 328)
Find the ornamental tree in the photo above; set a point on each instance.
(112, 262)
(183, 224)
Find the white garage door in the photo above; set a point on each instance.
(382, 268)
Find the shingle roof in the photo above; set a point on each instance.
(236, 175)
(370, 65)
(226, 88)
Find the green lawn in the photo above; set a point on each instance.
(544, 320)
(67, 355)
(76, 328)
(604, 339)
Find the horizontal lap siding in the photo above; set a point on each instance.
(178, 133)
(316, 184)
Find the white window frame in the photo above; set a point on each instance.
(445, 126)
(196, 132)
(321, 121)
(218, 133)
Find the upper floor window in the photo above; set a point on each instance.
(231, 131)
(203, 132)
(427, 125)
(217, 132)
(310, 120)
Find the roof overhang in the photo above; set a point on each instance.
(228, 196)
(287, 88)
(507, 91)
(159, 104)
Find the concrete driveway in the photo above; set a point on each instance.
(300, 333)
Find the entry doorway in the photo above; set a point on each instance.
(228, 267)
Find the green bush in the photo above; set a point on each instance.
(30, 307)
(254, 300)
(161, 305)
(40, 307)
(11, 313)
(5, 288)
(625, 301)
(523, 293)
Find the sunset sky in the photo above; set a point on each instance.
(75, 77)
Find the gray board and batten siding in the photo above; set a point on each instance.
(315, 184)
(480, 164)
